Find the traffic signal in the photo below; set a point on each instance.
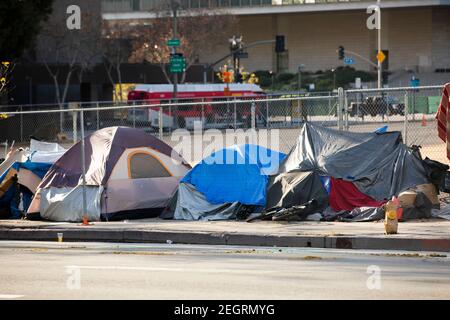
(341, 53)
(279, 44)
(226, 76)
(239, 78)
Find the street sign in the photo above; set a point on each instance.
(177, 64)
(242, 55)
(174, 42)
(349, 61)
(381, 56)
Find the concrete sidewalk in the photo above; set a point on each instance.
(424, 235)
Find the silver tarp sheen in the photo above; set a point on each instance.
(380, 165)
(192, 205)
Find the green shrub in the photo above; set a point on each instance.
(285, 77)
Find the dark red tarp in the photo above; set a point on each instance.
(344, 195)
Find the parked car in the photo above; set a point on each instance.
(377, 105)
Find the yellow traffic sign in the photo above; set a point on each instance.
(381, 56)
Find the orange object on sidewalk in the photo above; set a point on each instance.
(443, 118)
(424, 121)
(396, 202)
(391, 216)
(85, 220)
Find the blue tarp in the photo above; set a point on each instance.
(235, 174)
(39, 169)
(382, 129)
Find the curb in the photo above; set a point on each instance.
(211, 238)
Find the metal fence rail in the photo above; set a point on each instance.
(409, 110)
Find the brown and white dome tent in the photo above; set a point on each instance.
(129, 174)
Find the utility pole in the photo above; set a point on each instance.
(379, 45)
(174, 6)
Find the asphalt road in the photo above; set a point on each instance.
(32, 270)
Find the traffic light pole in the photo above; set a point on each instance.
(253, 44)
(362, 58)
(379, 44)
(377, 66)
(174, 5)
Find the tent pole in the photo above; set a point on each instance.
(83, 164)
(405, 124)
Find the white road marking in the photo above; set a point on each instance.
(11, 296)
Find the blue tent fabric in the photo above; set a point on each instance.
(9, 198)
(5, 201)
(235, 174)
(39, 169)
(326, 182)
(382, 129)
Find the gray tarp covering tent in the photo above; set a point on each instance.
(379, 164)
(193, 205)
(288, 189)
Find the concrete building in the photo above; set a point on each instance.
(75, 58)
(415, 37)
(415, 34)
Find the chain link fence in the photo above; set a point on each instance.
(273, 120)
(409, 110)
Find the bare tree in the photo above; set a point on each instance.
(199, 32)
(148, 43)
(66, 53)
(115, 50)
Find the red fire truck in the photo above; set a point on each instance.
(184, 116)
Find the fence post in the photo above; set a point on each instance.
(134, 115)
(160, 121)
(75, 126)
(405, 124)
(203, 113)
(98, 116)
(357, 112)
(21, 124)
(345, 111)
(235, 115)
(253, 109)
(61, 118)
(341, 105)
(329, 102)
(83, 165)
(267, 115)
(171, 122)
